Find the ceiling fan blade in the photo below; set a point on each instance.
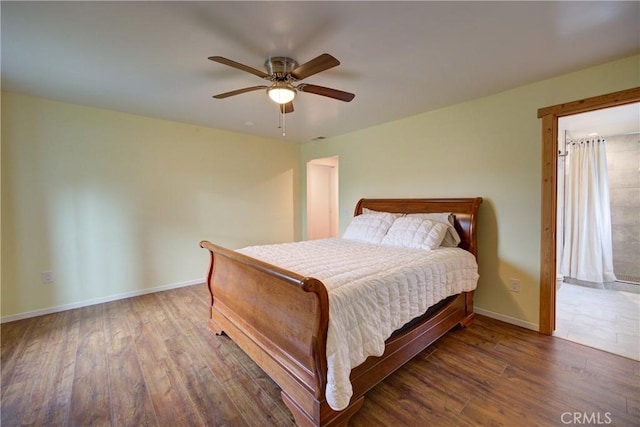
(238, 92)
(287, 108)
(316, 65)
(239, 66)
(326, 91)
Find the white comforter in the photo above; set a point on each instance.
(373, 290)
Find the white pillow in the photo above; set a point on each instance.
(416, 233)
(451, 238)
(370, 228)
(372, 212)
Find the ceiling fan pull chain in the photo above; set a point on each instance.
(281, 124)
(284, 132)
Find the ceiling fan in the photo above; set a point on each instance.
(284, 73)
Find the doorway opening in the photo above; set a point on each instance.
(612, 135)
(598, 230)
(550, 116)
(322, 198)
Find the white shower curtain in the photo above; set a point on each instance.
(587, 252)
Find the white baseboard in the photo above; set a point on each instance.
(507, 319)
(94, 301)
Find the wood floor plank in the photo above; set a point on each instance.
(263, 387)
(392, 404)
(170, 400)
(633, 405)
(90, 399)
(567, 382)
(439, 380)
(548, 349)
(26, 357)
(14, 403)
(472, 356)
(436, 405)
(204, 389)
(561, 384)
(187, 308)
(130, 398)
(12, 337)
(35, 359)
(241, 372)
(257, 403)
(486, 411)
(50, 402)
(151, 360)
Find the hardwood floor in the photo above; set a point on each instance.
(151, 361)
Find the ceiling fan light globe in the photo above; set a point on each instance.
(281, 95)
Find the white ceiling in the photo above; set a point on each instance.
(399, 58)
(607, 122)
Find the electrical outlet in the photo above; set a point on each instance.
(514, 285)
(47, 277)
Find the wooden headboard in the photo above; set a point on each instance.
(464, 209)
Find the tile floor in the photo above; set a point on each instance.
(606, 319)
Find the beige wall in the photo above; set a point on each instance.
(114, 203)
(489, 147)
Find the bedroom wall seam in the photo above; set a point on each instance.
(101, 300)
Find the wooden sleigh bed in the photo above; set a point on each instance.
(280, 318)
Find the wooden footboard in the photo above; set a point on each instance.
(280, 319)
(277, 317)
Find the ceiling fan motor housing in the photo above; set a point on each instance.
(280, 67)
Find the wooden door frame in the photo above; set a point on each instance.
(550, 116)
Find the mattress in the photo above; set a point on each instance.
(373, 291)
